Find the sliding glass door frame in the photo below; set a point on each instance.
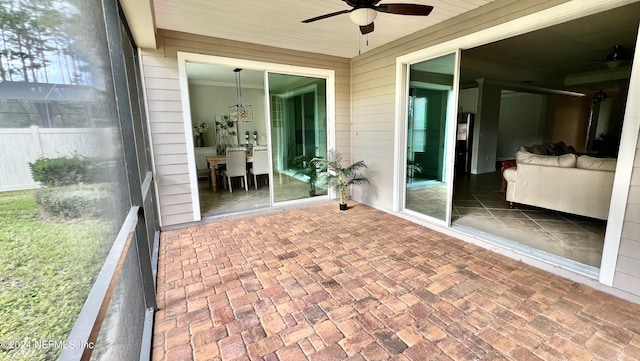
(403, 65)
(183, 58)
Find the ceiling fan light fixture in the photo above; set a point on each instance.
(363, 16)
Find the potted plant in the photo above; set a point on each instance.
(307, 167)
(340, 177)
(413, 167)
(199, 130)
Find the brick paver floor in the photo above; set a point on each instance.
(320, 284)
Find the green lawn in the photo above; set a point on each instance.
(47, 268)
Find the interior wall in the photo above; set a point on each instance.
(485, 135)
(521, 122)
(567, 120)
(208, 101)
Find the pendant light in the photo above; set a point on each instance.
(240, 112)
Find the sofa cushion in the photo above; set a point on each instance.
(587, 162)
(564, 161)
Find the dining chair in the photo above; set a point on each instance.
(260, 164)
(236, 166)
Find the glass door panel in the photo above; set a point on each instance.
(428, 178)
(298, 134)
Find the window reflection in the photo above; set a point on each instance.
(430, 87)
(298, 134)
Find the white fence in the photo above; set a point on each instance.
(19, 146)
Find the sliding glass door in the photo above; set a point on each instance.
(429, 124)
(298, 112)
(291, 115)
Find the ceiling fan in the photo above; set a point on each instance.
(599, 96)
(619, 55)
(365, 11)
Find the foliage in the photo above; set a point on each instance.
(46, 272)
(47, 42)
(71, 202)
(65, 170)
(305, 165)
(413, 167)
(338, 176)
(200, 128)
(37, 33)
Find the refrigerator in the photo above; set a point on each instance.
(464, 143)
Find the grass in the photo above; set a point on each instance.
(47, 268)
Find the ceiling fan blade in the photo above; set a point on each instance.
(366, 29)
(326, 16)
(405, 9)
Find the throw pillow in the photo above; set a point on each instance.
(564, 161)
(540, 149)
(560, 148)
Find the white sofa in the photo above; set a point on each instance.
(568, 183)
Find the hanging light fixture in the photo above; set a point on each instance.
(240, 112)
(363, 16)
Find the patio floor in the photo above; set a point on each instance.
(320, 284)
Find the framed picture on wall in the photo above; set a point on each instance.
(226, 130)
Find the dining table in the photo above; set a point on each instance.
(216, 160)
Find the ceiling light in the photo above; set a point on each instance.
(240, 112)
(363, 16)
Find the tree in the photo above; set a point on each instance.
(33, 35)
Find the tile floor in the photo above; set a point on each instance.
(319, 284)
(224, 202)
(480, 205)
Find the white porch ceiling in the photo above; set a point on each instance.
(278, 23)
(547, 57)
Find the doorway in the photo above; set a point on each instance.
(486, 206)
(212, 89)
(290, 122)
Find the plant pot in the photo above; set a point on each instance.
(343, 206)
(199, 141)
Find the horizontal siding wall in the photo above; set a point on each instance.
(164, 105)
(373, 90)
(160, 72)
(627, 276)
